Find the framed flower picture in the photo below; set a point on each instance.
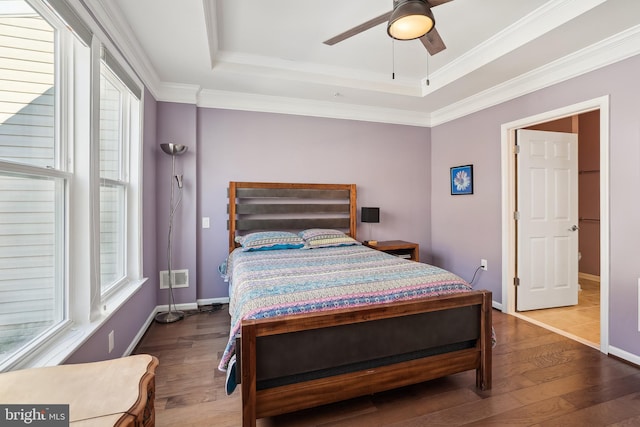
(462, 180)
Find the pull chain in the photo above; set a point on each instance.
(427, 69)
(393, 60)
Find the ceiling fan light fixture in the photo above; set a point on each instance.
(410, 19)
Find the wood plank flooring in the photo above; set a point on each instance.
(582, 321)
(539, 379)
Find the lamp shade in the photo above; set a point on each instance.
(410, 20)
(370, 215)
(173, 149)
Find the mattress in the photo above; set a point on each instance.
(266, 284)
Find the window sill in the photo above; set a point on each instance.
(74, 335)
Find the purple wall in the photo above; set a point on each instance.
(389, 163)
(467, 228)
(402, 169)
(149, 185)
(176, 123)
(386, 161)
(132, 316)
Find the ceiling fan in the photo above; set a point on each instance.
(409, 19)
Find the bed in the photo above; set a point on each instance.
(323, 318)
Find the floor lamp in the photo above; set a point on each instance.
(173, 150)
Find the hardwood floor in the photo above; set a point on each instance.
(539, 379)
(582, 321)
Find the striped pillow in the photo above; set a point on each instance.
(270, 240)
(323, 238)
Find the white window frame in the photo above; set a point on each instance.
(59, 171)
(104, 303)
(125, 139)
(77, 114)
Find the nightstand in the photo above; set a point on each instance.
(400, 248)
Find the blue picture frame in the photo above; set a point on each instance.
(461, 180)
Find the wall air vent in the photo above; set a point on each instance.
(180, 279)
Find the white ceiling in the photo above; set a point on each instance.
(268, 55)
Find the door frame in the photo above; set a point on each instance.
(508, 173)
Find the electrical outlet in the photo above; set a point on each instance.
(483, 264)
(111, 341)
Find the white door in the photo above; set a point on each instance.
(547, 229)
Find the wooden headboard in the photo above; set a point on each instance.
(255, 206)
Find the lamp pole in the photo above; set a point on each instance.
(173, 150)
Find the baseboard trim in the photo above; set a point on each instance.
(497, 305)
(136, 340)
(587, 276)
(624, 356)
(209, 301)
(151, 318)
(182, 307)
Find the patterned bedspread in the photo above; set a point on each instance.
(266, 284)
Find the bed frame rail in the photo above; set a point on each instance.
(261, 402)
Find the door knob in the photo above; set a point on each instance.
(574, 228)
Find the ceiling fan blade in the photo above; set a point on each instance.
(358, 29)
(434, 3)
(433, 42)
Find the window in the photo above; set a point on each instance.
(52, 284)
(113, 183)
(27, 87)
(32, 181)
(119, 145)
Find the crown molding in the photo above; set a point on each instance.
(211, 23)
(552, 14)
(110, 18)
(295, 106)
(542, 20)
(178, 92)
(606, 52)
(317, 73)
(300, 71)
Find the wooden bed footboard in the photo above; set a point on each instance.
(342, 354)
